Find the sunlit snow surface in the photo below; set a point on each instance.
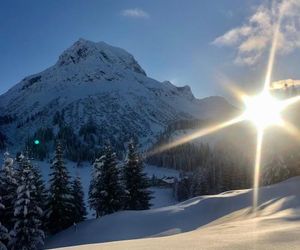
(221, 221)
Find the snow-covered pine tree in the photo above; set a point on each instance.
(8, 187)
(79, 211)
(95, 185)
(59, 205)
(27, 233)
(4, 236)
(105, 194)
(18, 164)
(40, 194)
(137, 197)
(40, 190)
(275, 171)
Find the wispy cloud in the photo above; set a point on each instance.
(135, 13)
(254, 37)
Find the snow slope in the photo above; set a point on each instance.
(162, 197)
(223, 221)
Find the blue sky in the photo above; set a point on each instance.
(181, 41)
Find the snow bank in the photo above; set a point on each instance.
(223, 221)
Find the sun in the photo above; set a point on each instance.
(263, 110)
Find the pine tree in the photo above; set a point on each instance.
(59, 207)
(79, 211)
(105, 194)
(4, 236)
(135, 181)
(8, 187)
(2, 140)
(184, 187)
(199, 182)
(95, 185)
(40, 190)
(40, 194)
(27, 233)
(275, 171)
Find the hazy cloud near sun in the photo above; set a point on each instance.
(135, 13)
(254, 37)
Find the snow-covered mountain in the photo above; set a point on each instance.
(106, 83)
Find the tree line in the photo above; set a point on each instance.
(30, 211)
(212, 169)
(81, 145)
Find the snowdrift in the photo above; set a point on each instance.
(223, 221)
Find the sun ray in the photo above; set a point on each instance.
(257, 164)
(193, 136)
(272, 54)
(260, 131)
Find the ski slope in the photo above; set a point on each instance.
(223, 221)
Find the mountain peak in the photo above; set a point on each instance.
(98, 54)
(104, 82)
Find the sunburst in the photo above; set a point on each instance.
(263, 110)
